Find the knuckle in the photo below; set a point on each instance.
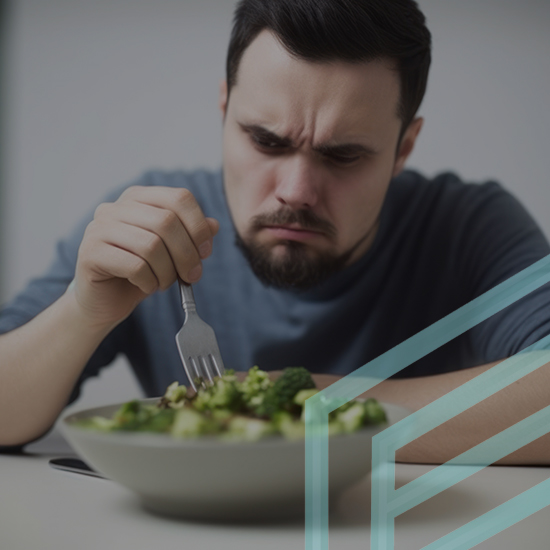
(201, 229)
(138, 268)
(129, 192)
(90, 233)
(190, 253)
(152, 244)
(101, 210)
(184, 197)
(167, 221)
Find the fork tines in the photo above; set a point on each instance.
(199, 370)
(197, 344)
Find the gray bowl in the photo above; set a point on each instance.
(208, 479)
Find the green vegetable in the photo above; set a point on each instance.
(223, 394)
(290, 427)
(374, 413)
(280, 396)
(255, 386)
(160, 421)
(175, 394)
(98, 423)
(302, 395)
(248, 429)
(238, 411)
(352, 418)
(191, 423)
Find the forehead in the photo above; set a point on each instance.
(274, 88)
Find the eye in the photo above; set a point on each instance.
(338, 159)
(266, 143)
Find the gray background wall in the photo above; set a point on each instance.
(99, 91)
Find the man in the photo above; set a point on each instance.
(326, 252)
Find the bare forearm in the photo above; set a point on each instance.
(39, 365)
(475, 425)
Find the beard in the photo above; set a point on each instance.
(297, 267)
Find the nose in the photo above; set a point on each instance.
(298, 184)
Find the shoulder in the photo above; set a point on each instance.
(474, 228)
(444, 189)
(446, 200)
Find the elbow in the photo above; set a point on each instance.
(14, 443)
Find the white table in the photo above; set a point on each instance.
(46, 509)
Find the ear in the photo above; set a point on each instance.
(222, 101)
(407, 145)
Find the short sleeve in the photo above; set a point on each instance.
(495, 240)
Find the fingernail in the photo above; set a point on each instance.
(205, 249)
(195, 273)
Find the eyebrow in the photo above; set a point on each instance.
(343, 149)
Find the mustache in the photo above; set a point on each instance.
(304, 218)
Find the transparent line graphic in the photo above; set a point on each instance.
(384, 445)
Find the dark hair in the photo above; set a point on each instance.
(347, 30)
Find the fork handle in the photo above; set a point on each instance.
(187, 296)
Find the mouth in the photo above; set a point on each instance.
(292, 232)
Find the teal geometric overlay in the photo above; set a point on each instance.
(387, 503)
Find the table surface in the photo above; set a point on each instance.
(43, 508)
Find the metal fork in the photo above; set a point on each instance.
(197, 344)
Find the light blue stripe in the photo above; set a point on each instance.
(384, 473)
(381, 368)
(467, 395)
(470, 462)
(316, 455)
(496, 520)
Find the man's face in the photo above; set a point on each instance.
(309, 150)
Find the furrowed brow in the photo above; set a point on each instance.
(261, 132)
(344, 150)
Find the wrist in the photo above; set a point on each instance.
(79, 317)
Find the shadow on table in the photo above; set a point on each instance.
(351, 510)
(354, 507)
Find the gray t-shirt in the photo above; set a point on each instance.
(440, 244)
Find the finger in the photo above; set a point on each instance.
(164, 223)
(183, 204)
(104, 261)
(214, 225)
(143, 243)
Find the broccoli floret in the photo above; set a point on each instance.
(130, 416)
(136, 416)
(302, 395)
(174, 396)
(352, 418)
(220, 409)
(334, 414)
(159, 421)
(355, 414)
(254, 387)
(222, 416)
(191, 423)
(248, 429)
(374, 413)
(224, 393)
(288, 426)
(280, 396)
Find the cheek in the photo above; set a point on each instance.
(248, 180)
(357, 204)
